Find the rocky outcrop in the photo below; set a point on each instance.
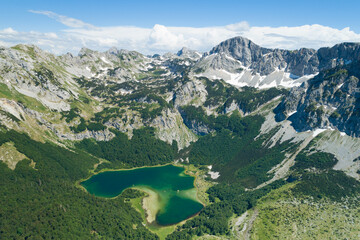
(233, 107)
(32, 72)
(192, 92)
(249, 64)
(197, 127)
(117, 65)
(298, 62)
(330, 100)
(104, 135)
(188, 53)
(170, 127)
(128, 124)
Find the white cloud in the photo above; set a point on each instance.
(311, 36)
(241, 26)
(67, 21)
(8, 31)
(161, 39)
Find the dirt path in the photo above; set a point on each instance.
(251, 223)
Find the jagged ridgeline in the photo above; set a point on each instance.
(271, 136)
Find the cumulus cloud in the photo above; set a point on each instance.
(312, 36)
(161, 39)
(49, 41)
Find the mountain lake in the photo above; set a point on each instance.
(171, 198)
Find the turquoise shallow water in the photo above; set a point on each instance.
(175, 189)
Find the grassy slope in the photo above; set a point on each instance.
(10, 155)
(281, 215)
(53, 206)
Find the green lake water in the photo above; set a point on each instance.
(176, 193)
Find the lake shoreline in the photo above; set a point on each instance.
(154, 201)
(149, 203)
(92, 173)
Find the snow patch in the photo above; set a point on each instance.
(342, 134)
(292, 113)
(339, 86)
(318, 131)
(105, 60)
(213, 175)
(123, 91)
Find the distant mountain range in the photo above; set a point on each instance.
(241, 62)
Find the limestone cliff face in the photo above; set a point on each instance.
(31, 72)
(170, 127)
(241, 62)
(104, 135)
(330, 100)
(192, 92)
(298, 62)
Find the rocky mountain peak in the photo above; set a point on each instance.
(240, 48)
(188, 53)
(241, 62)
(184, 50)
(84, 51)
(113, 51)
(69, 55)
(340, 54)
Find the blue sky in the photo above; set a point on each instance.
(169, 18)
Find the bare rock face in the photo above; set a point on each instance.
(104, 135)
(233, 107)
(330, 100)
(191, 92)
(241, 49)
(117, 65)
(264, 61)
(31, 72)
(170, 127)
(298, 62)
(188, 53)
(197, 127)
(246, 63)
